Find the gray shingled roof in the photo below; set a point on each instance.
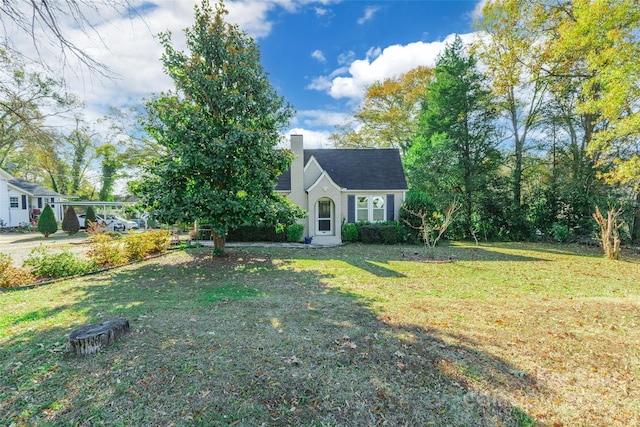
(356, 169)
(34, 189)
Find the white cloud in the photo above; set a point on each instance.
(310, 138)
(477, 11)
(369, 12)
(346, 57)
(318, 55)
(392, 61)
(321, 118)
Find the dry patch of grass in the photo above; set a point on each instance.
(359, 335)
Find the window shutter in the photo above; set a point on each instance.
(24, 201)
(391, 209)
(39, 202)
(351, 208)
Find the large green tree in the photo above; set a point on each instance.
(454, 153)
(220, 128)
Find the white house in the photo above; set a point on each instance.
(343, 185)
(21, 201)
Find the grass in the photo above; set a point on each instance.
(499, 335)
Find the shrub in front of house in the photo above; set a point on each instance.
(47, 222)
(70, 222)
(385, 233)
(45, 264)
(10, 276)
(350, 232)
(390, 233)
(294, 232)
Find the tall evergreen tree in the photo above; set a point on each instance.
(454, 153)
(47, 222)
(70, 222)
(220, 128)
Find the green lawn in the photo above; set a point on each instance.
(502, 334)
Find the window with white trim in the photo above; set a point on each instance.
(14, 202)
(371, 208)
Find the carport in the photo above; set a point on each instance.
(101, 205)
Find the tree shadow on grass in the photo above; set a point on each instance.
(276, 346)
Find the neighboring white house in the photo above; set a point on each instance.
(336, 185)
(22, 201)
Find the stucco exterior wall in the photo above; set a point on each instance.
(324, 188)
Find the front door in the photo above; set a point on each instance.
(324, 223)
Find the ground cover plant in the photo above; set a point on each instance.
(506, 334)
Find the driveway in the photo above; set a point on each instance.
(19, 245)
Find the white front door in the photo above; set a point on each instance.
(324, 213)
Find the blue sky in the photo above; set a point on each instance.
(320, 54)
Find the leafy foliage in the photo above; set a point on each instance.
(11, 276)
(43, 263)
(389, 113)
(106, 251)
(294, 232)
(350, 232)
(47, 222)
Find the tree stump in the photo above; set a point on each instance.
(91, 339)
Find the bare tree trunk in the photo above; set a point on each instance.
(609, 236)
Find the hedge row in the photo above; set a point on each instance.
(385, 233)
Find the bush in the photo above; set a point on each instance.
(389, 234)
(560, 232)
(70, 222)
(370, 234)
(294, 232)
(137, 246)
(105, 251)
(54, 265)
(11, 276)
(47, 222)
(160, 240)
(386, 233)
(350, 232)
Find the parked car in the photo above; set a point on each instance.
(128, 224)
(111, 223)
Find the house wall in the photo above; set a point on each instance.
(4, 202)
(17, 216)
